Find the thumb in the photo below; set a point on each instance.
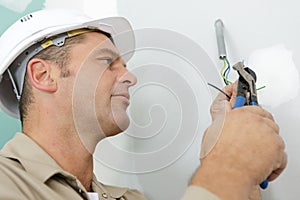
(219, 108)
(222, 104)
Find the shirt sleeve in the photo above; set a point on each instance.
(197, 192)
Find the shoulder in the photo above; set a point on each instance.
(9, 188)
(9, 167)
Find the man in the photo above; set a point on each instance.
(65, 73)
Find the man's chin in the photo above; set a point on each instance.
(120, 125)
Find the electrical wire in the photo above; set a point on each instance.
(226, 76)
(222, 70)
(219, 90)
(260, 88)
(223, 73)
(228, 68)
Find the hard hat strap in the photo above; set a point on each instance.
(14, 85)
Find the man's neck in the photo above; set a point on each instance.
(68, 151)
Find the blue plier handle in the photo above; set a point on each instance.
(246, 94)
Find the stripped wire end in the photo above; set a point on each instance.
(262, 87)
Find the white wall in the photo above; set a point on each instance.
(172, 92)
(250, 25)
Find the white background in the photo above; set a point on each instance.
(249, 25)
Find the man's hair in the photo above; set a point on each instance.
(57, 55)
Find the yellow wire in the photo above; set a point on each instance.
(222, 72)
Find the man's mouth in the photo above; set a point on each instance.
(124, 96)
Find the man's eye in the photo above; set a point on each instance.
(106, 61)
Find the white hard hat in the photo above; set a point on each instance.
(36, 27)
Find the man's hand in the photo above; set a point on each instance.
(246, 150)
(255, 193)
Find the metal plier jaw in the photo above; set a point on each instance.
(246, 90)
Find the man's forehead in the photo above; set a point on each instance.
(104, 47)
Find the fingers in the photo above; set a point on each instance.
(281, 166)
(276, 142)
(233, 93)
(231, 89)
(255, 193)
(246, 141)
(267, 137)
(222, 103)
(259, 111)
(263, 114)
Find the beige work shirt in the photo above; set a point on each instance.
(28, 172)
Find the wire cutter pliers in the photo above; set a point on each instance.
(246, 89)
(246, 93)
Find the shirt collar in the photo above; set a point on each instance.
(32, 157)
(114, 192)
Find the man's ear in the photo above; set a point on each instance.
(41, 75)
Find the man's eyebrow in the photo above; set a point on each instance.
(114, 54)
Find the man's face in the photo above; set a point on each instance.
(100, 86)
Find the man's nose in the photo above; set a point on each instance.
(128, 78)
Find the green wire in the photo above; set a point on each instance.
(262, 87)
(222, 72)
(223, 68)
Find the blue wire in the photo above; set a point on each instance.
(227, 71)
(228, 68)
(224, 74)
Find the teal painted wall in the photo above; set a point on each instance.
(8, 125)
